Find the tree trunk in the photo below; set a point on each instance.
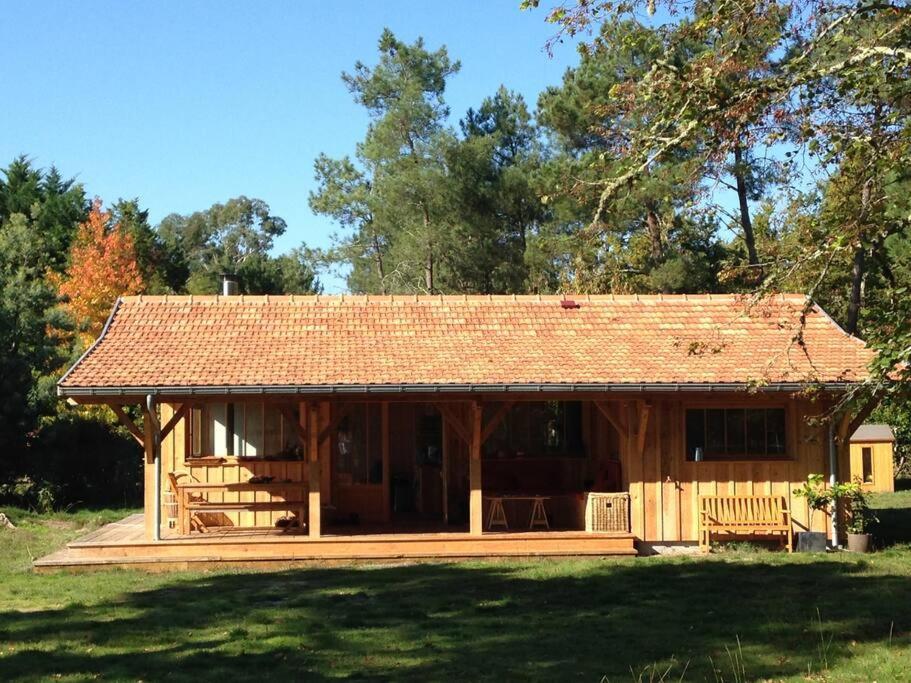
(428, 270)
(654, 233)
(378, 258)
(857, 287)
(428, 263)
(748, 237)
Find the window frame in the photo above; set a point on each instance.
(866, 455)
(344, 476)
(789, 433)
(199, 440)
(574, 448)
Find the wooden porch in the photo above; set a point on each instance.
(124, 544)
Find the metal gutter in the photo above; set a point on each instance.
(833, 479)
(373, 389)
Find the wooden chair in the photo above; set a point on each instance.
(744, 515)
(184, 524)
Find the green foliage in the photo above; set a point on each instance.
(24, 491)
(423, 209)
(649, 240)
(860, 514)
(393, 201)
(28, 351)
(815, 492)
(233, 238)
(51, 455)
(51, 206)
(894, 412)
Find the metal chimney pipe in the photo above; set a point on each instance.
(229, 285)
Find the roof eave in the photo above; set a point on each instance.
(374, 389)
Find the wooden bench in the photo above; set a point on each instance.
(193, 499)
(299, 507)
(744, 515)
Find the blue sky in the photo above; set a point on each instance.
(184, 104)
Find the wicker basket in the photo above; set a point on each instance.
(607, 512)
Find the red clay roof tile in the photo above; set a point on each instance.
(199, 341)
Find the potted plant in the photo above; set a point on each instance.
(860, 540)
(818, 497)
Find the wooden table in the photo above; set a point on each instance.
(497, 514)
(185, 505)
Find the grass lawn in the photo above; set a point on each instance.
(734, 616)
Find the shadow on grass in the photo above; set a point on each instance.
(490, 621)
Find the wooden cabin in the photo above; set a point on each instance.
(872, 457)
(356, 426)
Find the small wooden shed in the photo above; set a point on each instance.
(871, 457)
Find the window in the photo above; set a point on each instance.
(866, 456)
(537, 429)
(735, 433)
(358, 446)
(241, 429)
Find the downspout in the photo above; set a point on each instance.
(833, 479)
(156, 454)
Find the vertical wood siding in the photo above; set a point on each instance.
(665, 487)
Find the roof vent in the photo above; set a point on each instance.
(568, 303)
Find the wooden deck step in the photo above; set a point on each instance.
(123, 545)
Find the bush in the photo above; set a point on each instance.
(25, 492)
(76, 459)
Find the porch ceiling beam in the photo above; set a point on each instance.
(127, 422)
(495, 421)
(175, 418)
(616, 422)
(453, 421)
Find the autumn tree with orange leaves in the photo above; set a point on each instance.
(103, 266)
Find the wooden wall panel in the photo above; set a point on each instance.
(667, 511)
(882, 462)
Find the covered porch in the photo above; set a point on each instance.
(362, 465)
(262, 480)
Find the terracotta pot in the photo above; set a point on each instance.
(860, 543)
(811, 542)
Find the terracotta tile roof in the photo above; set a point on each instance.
(182, 341)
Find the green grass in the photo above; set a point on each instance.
(894, 513)
(734, 617)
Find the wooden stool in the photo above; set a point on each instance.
(538, 515)
(497, 514)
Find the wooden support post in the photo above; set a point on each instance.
(445, 472)
(151, 471)
(149, 501)
(387, 491)
(475, 500)
(636, 475)
(314, 500)
(644, 409)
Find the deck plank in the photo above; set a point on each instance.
(123, 544)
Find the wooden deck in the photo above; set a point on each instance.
(123, 544)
